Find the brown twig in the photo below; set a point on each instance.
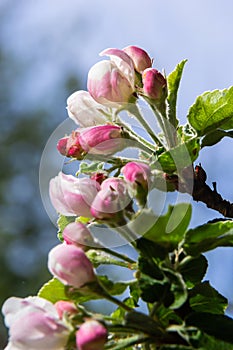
(194, 182)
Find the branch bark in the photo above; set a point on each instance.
(193, 181)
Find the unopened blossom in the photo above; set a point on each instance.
(70, 265)
(71, 196)
(92, 335)
(78, 234)
(64, 307)
(34, 324)
(111, 201)
(84, 110)
(111, 83)
(102, 139)
(138, 175)
(154, 84)
(140, 58)
(69, 146)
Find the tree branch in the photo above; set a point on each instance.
(194, 182)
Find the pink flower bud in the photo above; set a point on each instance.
(84, 110)
(65, 308)
(78, 234)
(140, 58)
(154, 84)
(71, 196)
(62, 145)
(137, 174)
(102, 139)
(34, 324)
(111, 200)
(92, 335)
(70, 265)
(108, 85)
(70, 147)
(99, 177)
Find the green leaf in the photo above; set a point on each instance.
(209, 236)
(89, 168)
(211, 343)
(167, 316)
(62, 222)
(169, 229)
(173, 81)
(178, 157)
(212, 110)
(85, 294)
(204, 298)
(219, 326)
(53, 291)
(193, 269)
(214, 137)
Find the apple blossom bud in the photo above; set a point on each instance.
(34, 324)
(140, 58)
(99, 177)
(102, 139)
(92, 335)
(62, 145)
(154, 84)
(65, 308)
(108, 85)
(111, 201)
(71, 196)
(84, 110)
(138, 175)
(70, 265)
(70, 147)
(78, 234)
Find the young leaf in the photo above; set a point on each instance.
(209, 236)
(53, 291)
(214, 137)
(89, 168)
(212, 110)
(204, 298)
(169, 229)
(178, 157)
(173, 81)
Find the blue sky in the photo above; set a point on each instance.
(52, 38)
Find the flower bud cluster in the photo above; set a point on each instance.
(102, 197)
(36, 323)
